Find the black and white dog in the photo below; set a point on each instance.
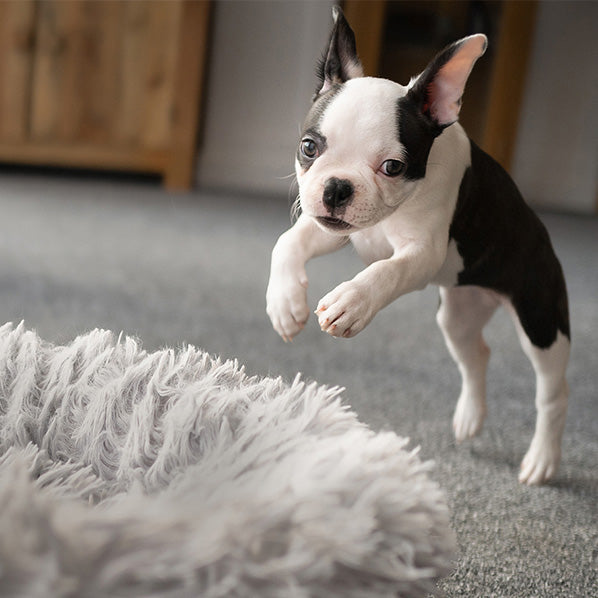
(388, 168)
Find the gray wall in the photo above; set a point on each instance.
(556, 161)
(260, 79)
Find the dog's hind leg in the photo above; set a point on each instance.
(463, 313)
(544, 454)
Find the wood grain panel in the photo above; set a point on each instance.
(160, 66)
(129, 115)
(80, 155)
(190, 74)
(98, 69)
(48, 73)
(17, 40)
(110, 84)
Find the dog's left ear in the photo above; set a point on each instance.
(438, 90)
(340, 63)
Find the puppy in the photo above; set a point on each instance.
(389, 169)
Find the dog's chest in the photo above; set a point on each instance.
(371, 244)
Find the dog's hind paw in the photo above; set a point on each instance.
(469, 418)
(539, 465)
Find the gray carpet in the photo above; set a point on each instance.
(78, 253)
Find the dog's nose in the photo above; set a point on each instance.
(337, 193)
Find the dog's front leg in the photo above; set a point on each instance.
(350, 307)
(286, 296)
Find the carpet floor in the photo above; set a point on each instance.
(81, 252)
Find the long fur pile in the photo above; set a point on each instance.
(172, 474)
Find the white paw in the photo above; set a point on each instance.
(468, 418)
(540, 463)
(345, 311)
(286, 305)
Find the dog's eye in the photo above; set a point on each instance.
(392, 168)
(309, 148)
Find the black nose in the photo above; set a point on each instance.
(337, 193)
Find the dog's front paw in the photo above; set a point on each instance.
(286, 305)
(346, 310)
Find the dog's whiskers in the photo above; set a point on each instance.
(286, 176)
(296, 209)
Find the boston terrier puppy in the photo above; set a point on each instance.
(389, 169)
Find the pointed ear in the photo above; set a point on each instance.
(438, 90)
(340, 62)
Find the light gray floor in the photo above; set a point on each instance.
(78, 253)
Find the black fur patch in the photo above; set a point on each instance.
(416, 134)
(311, 126)
(340, 54)
(506, 248)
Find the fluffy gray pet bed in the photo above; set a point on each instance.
(172, 474)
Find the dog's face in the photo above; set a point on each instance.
(365, 142)
(351, 163)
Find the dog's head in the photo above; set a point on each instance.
(366, 141)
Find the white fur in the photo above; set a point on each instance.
(544, 454)
(463, 313)
(345, 121)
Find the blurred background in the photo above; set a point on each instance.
(212, 94)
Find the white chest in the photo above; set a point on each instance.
(372, 244)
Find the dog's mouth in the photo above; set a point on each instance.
(333, 223)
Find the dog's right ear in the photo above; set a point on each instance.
(438, 90)
(340, 62)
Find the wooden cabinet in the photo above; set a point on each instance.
(103, 84)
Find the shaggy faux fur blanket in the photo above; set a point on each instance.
(173, 474)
